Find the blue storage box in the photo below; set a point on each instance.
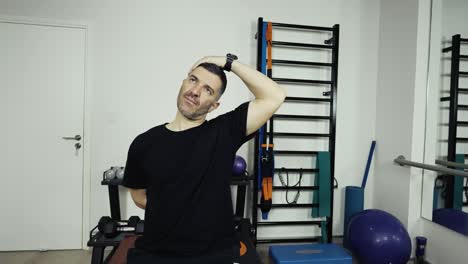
(310, 253)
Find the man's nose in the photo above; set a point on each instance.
(196, 90)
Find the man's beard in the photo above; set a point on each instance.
(202, 110)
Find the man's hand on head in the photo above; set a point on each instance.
(218, 60)
(268, 94)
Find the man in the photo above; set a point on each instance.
(180, 172)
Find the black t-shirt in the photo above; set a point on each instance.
(187, 176)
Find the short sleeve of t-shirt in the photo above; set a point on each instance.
(237, 124)
(134, 177)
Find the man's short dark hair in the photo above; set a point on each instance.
(215, 69)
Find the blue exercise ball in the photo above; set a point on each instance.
(377, 237)
(239, 166)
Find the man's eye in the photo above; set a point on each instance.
(209, 91)
(192, 79)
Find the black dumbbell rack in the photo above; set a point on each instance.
(97, 240)
(241, 182)
(243, 224)
(113, 187)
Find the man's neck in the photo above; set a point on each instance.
(181, 123)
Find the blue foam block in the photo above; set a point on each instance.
(309, 253)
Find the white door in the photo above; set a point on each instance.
(42, 70)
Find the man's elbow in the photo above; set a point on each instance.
(140, 205)
(283, 96)
(280, 96)
(139, 197)
(140, 201)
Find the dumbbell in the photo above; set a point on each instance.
(114, 173)
(109, 174)
(119, 174)
(111, 228)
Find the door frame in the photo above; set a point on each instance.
(86, 166)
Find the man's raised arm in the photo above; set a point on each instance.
(268, 94)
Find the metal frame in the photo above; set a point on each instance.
(401, 160)
(451, 164)
(330, 44)
(255, 189)
(454, 107)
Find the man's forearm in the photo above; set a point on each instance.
(268, 94)
(259, 84)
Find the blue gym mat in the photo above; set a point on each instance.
(309, 253)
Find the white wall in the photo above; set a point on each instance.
(395, 97)
(433, 111)
(139, 51)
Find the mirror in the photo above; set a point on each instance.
(445, 197)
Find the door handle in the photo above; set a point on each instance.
(77, 138)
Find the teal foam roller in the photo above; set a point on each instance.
(354, 203)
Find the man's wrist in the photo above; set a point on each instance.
(235, 65)
(230, 59)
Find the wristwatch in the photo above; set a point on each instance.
(229, 59)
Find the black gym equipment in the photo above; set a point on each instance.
(329, 97)
(111, 228)
(248, 253)
(454, 185)
(111, 231)
(102, 236)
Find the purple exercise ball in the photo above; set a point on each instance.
(239, 166)
(377, 237)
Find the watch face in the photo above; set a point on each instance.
(231, 56)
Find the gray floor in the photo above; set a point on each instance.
(49, 257)
(78, 257)
(75, 256)
(81, 257)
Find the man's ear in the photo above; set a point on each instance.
(213, 106)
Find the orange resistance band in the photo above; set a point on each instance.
(267, 188)
(269, 39)
(270, 146)
(267, 182)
